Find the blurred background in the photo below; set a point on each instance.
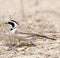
(34, 16)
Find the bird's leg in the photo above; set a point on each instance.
(31, 41)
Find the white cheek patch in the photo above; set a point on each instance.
(15, 24)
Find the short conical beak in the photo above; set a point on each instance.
(6, 22)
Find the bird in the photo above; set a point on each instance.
(23, 35)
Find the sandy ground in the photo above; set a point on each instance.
(37, 16)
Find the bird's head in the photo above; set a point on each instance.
(13, 24)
